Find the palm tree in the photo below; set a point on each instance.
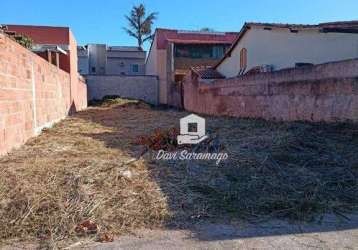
(140, 26)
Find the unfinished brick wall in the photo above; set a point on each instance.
(33, 94)
(327, 92)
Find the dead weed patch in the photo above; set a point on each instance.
(85, 172)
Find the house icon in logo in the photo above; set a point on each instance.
(192, 130)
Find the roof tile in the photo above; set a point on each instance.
(207, 73)
(165, 35)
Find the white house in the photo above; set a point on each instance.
(100, 59)
(267, 46)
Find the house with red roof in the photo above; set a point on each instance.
(174, 52)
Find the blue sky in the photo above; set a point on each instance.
(102, 21)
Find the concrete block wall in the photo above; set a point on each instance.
(33, 94)
(327, 92)
(145, 88)
(340, 69)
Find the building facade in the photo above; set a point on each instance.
(174, 52)
(100, 59)
(264, 47)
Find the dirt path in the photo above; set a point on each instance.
(330, 234)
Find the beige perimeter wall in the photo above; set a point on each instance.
(327, 92)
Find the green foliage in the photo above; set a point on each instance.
(23, 40)
(19, 38)
(140, 25)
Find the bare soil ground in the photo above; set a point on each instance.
(271, 235)
(88, 177)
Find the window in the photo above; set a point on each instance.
(218, 52)
(192, 127)
(199, 51)
(135, 68)
(243, 59)
(93, 69)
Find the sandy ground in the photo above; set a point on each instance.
(329, 234)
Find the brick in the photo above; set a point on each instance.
(16, 100)
(13, 119)
(29, 125)
(2, 136)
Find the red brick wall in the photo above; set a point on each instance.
(59, 36)
(33, 94)
(326, 92)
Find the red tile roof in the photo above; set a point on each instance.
(193, 37)
(341, 25)
(207, 72)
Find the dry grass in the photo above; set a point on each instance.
(77, 171)
(74, 172)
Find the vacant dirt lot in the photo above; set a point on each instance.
(91, 176)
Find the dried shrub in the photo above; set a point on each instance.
(165, 139)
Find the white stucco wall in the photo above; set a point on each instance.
(117, 66)
(97, 58)
(83, 65)
(151, 63)
(157, 65)
(282, 49)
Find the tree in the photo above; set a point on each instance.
(140, 26)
